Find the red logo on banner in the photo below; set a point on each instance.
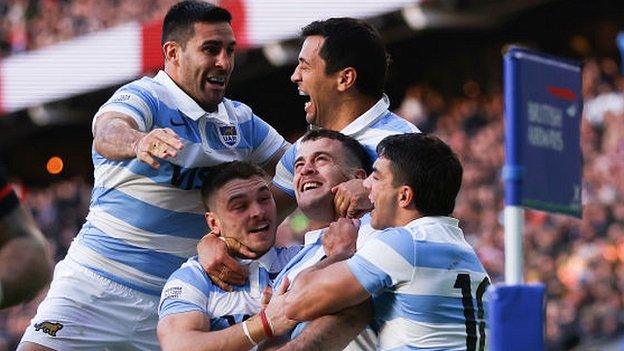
(562, 93)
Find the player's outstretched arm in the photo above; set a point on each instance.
(25, 263)
(191, 331)
(334, 331)
(117, 137)
(329, 286)
(320, 292)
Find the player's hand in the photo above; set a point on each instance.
(267, 294)
(351, 199)
(215, 256)
(275, 313)
(159, 143)
(341, 236)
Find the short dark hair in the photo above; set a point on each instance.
(179, 20)
(350, 42)
(359, 157)
(220, 174)
(428, 166)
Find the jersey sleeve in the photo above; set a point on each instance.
(186, 290)
(265, 140)
(285, 170)
(385, 260)
(283, 256)
(132, 100)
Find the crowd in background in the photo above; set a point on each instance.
(33, 24)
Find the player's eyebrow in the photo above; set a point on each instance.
(236, 197)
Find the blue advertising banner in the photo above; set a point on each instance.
(543, 106)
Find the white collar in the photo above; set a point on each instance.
(433, 220)
(186, 104)
(264, 261)
(312, 236)
(368, 117)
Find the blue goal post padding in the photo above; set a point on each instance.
(515, 317)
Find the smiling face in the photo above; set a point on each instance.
(382, 194)
(312, 81)
(320, 165)
(202, 67)
(244, 209)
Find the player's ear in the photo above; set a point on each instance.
(346, 78)
(171, 51)
(360, 173)
(405, 196)
(213, 223)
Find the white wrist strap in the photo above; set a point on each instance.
(246, 331)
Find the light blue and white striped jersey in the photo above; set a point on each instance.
(144, 223)
(369, 129)
(189, 289)
(428, 286)
(312, 253)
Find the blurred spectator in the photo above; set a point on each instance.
(33, 24)
(59, 211)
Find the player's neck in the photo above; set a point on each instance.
(348, 109)
(405, 216)
(319, 216)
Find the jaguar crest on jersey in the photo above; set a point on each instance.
(48, 327)
(229, 135)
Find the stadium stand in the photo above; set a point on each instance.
(34, 24)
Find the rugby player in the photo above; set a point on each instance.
(342, 69)
(154, 140)
(426, 280)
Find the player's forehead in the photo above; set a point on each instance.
(331, 147)
(382, 166)
(237, 188)
(311, 48)
(217, 32)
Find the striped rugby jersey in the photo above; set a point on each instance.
(312, 253)
(189, 289)
(144, 223)
(427, 284)
(369, 129)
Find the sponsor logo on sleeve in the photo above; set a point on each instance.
(121, 98)
(172, 292)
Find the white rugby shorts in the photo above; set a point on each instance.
(85, 311)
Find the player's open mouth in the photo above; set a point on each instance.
(308, 104)
(309, 186)
(261, 228)
(218, 81)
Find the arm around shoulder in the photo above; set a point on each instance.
(324, 291)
